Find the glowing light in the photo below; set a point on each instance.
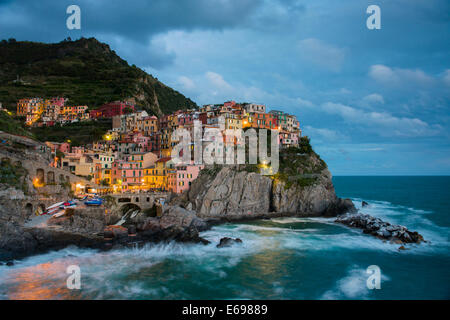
(37, 183)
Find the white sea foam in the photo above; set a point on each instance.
(352, 286)
(414, 219)
(116, 274)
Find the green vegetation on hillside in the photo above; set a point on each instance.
(85, 71)
(10, 125)
(13, 175)
(300, 165)
(79, 133)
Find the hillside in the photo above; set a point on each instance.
(86, 71)
(11, 125)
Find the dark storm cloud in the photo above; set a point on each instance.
(134, 22)
(382, 96)
(134, 19)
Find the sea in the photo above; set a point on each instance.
(282, 258)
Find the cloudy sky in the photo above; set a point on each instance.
(374, 102)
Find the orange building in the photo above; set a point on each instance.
(259, 120)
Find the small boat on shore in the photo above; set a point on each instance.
(94, 202)
(56, 208)
(60, 213)
(68, 204)
(53, 208)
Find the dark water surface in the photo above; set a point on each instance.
(289, 258)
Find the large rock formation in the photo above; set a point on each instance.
(230, 194)
(233, 194)
(301, 187)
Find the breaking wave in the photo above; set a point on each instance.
(280, 258)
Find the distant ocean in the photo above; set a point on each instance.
(289, 258)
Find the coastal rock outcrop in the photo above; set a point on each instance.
(380, 229)
(228, 242)
(302, 186)
(230, 194)
(88, 220)
(235, 194)
(176, 223)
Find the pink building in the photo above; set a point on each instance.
(78, 150)
(144, 144)
(180, 179)
(63, 147)
(288, 139)
(57, 101)
(229, 103)
(128, 175)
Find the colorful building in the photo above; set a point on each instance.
(31, 109)
(155, 176)
(109, 110)
(260, 120)
(127, 176)
(180, 178)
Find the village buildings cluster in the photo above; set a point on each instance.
(39, 111)
(135, 155)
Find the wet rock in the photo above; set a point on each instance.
(235, 194)
(401, 248)
(10, 263)
(380, 229)
(132, 230)
(176, 223)
(364, 204)
(117, 231)
(108, 234)
(228, 242)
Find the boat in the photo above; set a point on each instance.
(59, 214)
(70, 203)
(94, 202)
(53, 208)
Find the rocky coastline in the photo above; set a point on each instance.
(302, 188)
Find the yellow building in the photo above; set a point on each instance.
(232, 121)
(155, 176)
(143, 159)
(150, 125)
(166, 142)
(32, 109)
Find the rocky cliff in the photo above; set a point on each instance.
(302, 187)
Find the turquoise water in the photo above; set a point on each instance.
(289, 258)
